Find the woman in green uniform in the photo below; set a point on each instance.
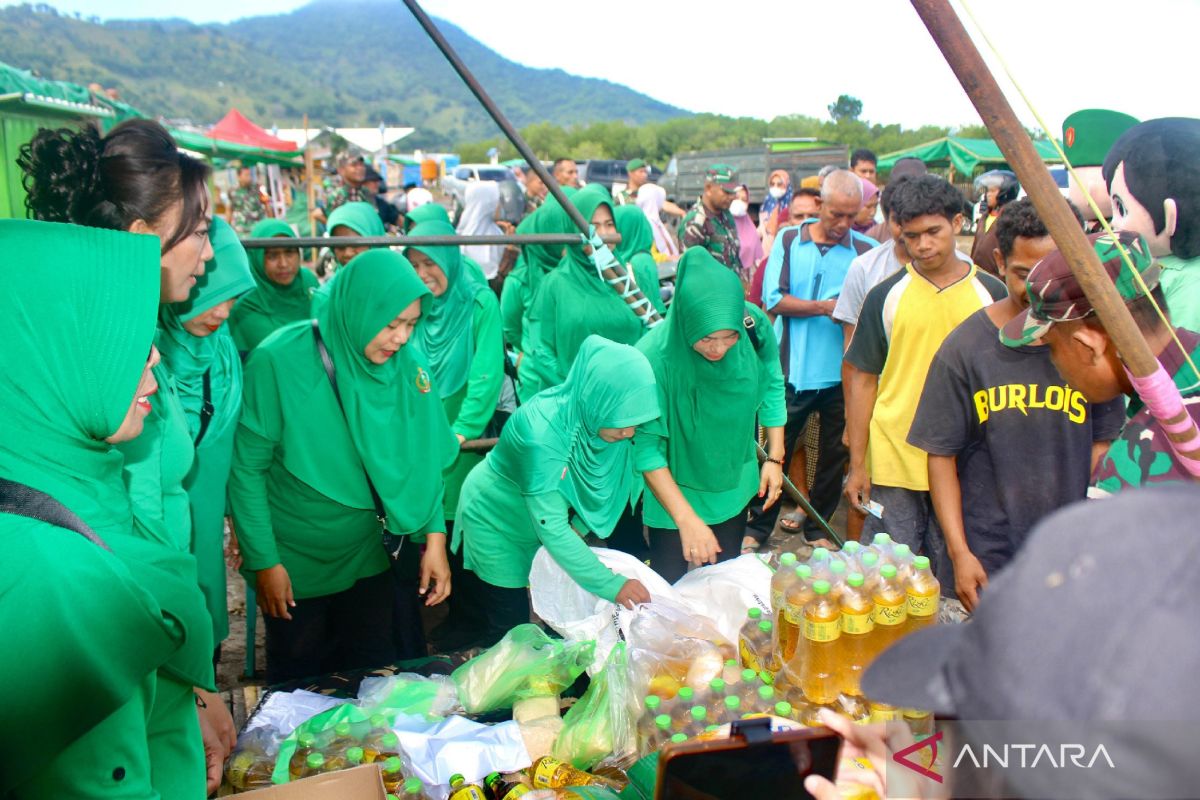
(633, 250)
(84, 634)
(200, 355)
(460, 339)
(309, 463)
(714, 382)
(563, 467)
(283, 293)
(354, 219)
(135, 179)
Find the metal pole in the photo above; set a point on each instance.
(802, 501)
(406, 241)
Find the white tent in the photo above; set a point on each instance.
(370, 140)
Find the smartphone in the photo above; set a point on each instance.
(872, 508)
(734, 769)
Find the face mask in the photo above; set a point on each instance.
(738, 208)
(777, 192)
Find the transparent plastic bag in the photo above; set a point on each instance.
(409, 694)
(671, 647)
(601, 726)
(525, 663)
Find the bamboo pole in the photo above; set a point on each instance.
(309, 189)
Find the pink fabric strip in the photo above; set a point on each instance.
(1164, 402)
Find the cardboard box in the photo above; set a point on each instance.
(360, 783)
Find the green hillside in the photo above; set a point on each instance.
(343, 62)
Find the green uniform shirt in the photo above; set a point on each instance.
(715, 233)
(1181, 287)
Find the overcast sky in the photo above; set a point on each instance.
(765, 59)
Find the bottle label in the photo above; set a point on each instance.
(543, 776)
(857, 623)
(749, 660)
(794, 614)
(822, 631)
(469, 792)
(520, 790)
(922, 605)
(889, 615)
(776, 601)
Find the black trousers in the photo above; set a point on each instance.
(629, 535)
(832, 457)
(463, 623)
(333, 633)
(408, 633)
(502, 609)
(666, 552)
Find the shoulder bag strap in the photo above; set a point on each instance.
(206, 406)
(25, 501)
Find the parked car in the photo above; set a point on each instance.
(512, 197)
(684, 178)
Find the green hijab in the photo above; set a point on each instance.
(269, 306)
(553, 442)
(709, 407)
(189, 357)
(77, 321)
(430, 212)
(362, 218)
(443, 335)
(636, 234)
(396, 424)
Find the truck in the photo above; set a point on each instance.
(684, 176)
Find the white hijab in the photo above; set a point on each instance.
(479, 219)
(650, 199)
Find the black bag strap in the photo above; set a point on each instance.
(752, 331)
(206, 406)
(25, 501)
(327, 362)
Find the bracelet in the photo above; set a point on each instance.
(778, 461)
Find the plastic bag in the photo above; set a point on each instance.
(410, 694)
(722, 592)
(525, 663)
(601, 726)
(580, 616)
(671, 647)
(252, 761)
(326, 721)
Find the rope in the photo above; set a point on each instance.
(1104, 223)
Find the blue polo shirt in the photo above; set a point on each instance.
(810, 347)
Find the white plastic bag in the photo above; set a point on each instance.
(578, 615)
(722, 592)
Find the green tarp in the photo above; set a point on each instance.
(219, 151)
(962, 154)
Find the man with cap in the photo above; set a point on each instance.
(1060, 315)
(352, 169)
(1077, 640)
(709, 224)
(1087, 137)
(374, 186)
(639, 173)
(245, 203)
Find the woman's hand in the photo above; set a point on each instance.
(460, 438)
(233, 552)
(770, 483)
(435, 570)
(698, 542)
(633, 593)
(274, 589)
(218, 733)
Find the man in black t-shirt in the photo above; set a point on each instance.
(1008, 440)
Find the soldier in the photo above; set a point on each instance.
(245, 203)
(709, 224)
(1088, 135)
(352, 169)
(638, 175)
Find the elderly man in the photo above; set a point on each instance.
(709, 224)
(801, 283)
(566, 172)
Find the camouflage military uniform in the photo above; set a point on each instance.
(247, 208)
(347, 194)
(717, 234)
(625, 197)
(532, 204)
(1141, 455)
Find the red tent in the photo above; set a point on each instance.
(236, 128)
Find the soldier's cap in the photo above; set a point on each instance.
(372, 174)
(634, 163)
(724, 176)
(1056, 296)
(1089, 134)
(346, 157)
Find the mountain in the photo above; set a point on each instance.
(343, 62)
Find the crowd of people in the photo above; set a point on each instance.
(173, 400)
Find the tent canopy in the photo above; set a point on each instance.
(962, 154)
(219, 151)
(234, 127)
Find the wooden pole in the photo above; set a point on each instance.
(1002, 123)
(310, 191)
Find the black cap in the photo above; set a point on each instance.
(1091, 621)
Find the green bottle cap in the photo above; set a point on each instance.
(766, 693)
(686, 694)
(663, 721)
(354, 755)
(888, 571)
(679, 738)
(379, 721)
(389, 740)
(921, 562)
(731, 662)
(456, 779)
(733, 701)
(306, 740)
(717, 685)
(787, 559)
(804, 572)
(869, 560)
(822, 587)
(413, 786)
(902, 551)
(783, 709)
(653, 701)
(767, 678)
(698, 712)
(492, 777)
(754, 613)
(881, 540)
(749, 675)
(392, 765)
(315, 760)
(837, 567)
(712, 728)
(851, 547)
(766, 625)
(819, 554)
(342, 729)
(855, 579)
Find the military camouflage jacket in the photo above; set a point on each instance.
(717, 234)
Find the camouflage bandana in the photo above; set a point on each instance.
(1056, 296)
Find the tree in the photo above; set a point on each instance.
(845, 108)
